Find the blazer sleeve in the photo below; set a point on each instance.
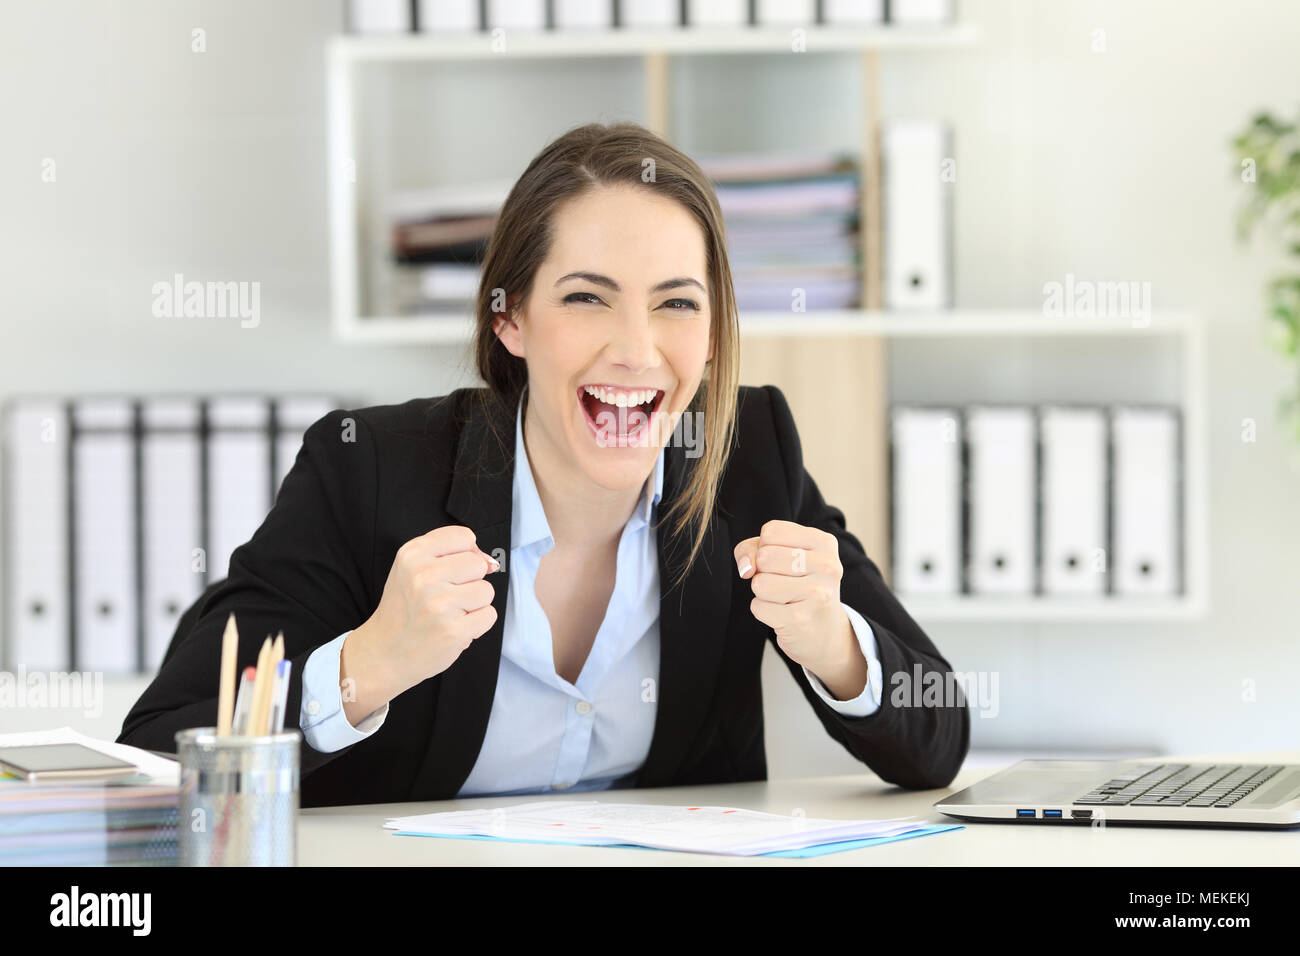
(918, 747)
(302, 572)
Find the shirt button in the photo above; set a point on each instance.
(582, 707)
(313, 707)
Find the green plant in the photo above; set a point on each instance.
(1268, 155)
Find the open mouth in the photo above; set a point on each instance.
(619, 416)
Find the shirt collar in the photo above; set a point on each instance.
(530, 525)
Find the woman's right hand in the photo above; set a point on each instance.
(436, 601)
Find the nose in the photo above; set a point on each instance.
(632, 345)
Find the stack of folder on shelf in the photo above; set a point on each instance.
(438, 239)
(131, 821)
(792, 229)
(1053, 500)
(462, 16)
(120, 509)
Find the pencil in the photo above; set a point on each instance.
(266, 688)
(226, 694)
(259, 689)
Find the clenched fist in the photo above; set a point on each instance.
(436, 601)
(795, 573)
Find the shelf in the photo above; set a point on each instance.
(348, 54)
(971, 610)
(541, 44)
(456, 329)
(1186, 333)
(953, 322)
(855, 346)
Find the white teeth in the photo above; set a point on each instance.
(621, 399)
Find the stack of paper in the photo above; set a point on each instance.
(131, 820)
(438, 239)
(792, 228)
(723, 830)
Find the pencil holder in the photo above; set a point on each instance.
(238, 798)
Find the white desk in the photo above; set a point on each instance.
(354, 836)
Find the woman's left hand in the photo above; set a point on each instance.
(795, 574)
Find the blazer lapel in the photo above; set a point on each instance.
(692, 632)
(481, 499)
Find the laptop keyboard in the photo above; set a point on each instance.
(1180, 785)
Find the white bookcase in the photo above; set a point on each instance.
(790, 349)
(655, 49)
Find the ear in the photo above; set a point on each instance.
(506, 326)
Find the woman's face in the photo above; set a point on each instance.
(615, 333)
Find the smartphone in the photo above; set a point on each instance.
(52, 762)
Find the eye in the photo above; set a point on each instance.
(690, 305)
(582, 297)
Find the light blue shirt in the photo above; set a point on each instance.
(544, 733)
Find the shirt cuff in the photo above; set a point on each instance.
(324, 724)
(868, 702)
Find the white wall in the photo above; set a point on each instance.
(1111, 165)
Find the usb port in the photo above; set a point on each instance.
(1054, 814)
(1081, 814)
(1026, 813)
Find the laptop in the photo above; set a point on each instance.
(1149, 791)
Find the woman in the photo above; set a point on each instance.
(565, 581)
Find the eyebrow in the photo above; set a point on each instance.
(609, 283)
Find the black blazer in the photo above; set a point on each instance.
(367, 480)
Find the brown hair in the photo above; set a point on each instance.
(582, 159)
